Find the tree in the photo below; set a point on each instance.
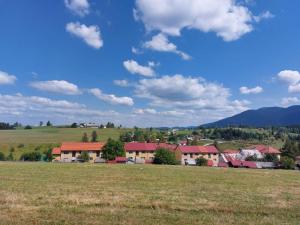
(10, 156)
(113, 149)
(74, 125)
(201, 161)
(290, 149)
(48, 155)
(110, 125)
(31, 156)
(27, 127)
(94, 136)
(84, 156)
(41, 123)
(85, 138)
(164, 156)
(2, 156)
(287, 163)
(49, 124)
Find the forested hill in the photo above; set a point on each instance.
(269, 116)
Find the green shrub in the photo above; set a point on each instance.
(84, 156)
(21, 146)
(164, 156)
(201, 161)
(2, 156)
(287, 163)
(31, 156)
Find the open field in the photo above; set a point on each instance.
(47, 137)
(45, 193)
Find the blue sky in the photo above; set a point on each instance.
(146, 62)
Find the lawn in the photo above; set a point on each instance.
(47, 193)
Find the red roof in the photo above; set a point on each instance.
(265, 149)
(81, 146)
(150, 147)
(198, 149)
(56, 151)
(230, 151)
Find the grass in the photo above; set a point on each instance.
(43, 138)
(50, 194)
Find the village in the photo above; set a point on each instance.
(144, 153)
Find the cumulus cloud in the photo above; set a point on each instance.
(26, 107)
(56, 86)
(6, 78)
(135, 68)
(111, 99)
(179, 92)
(292, 78)
(136, 51)
(226, 18)
(91, 35)
(255, 90)
(161, 43)
(79, 7)
(290, 101)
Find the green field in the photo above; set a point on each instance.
(44, 138)
(47, 193)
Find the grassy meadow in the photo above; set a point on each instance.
(44, 193)
(41, 139)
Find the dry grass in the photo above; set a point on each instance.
(37, 193)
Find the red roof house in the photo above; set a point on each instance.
(265, 149)
(198, 149)
(81, 146)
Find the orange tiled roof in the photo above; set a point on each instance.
(265, 149)
(81, 146)
(56, 151)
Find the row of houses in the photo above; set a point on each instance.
(187, 155)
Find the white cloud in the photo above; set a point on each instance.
(121, 83)
(179, 92)
(226, 18)
(36, 108)
(134, 68)
(79, 7)
(56, 86)
(112, 99)
(136, 51)
(255, 90)
(264, 15)
(161, 43)
(6, 78)
(290, 101)
(294, 88)
(91, 35)
(291, 77)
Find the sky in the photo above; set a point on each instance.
(146, 63)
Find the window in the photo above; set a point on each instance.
(66, 153)
(191, 155)
(137, 153)
(185, 154)
(209, 155)
(143, 152)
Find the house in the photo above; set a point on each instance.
(56, 154)
(264, 149)
(70, 151)
(144, 152)
(189, 154)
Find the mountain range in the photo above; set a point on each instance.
(263, 117)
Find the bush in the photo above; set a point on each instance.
(28, 127)
(31, 156)
(164, 156)
(113, 149)
(287, 163)
(48, 155)
(84, 156)
(21, 146)
(2, 156)
(201, 161)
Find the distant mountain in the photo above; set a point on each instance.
(269, 116)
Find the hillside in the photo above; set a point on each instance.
(269, 116)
